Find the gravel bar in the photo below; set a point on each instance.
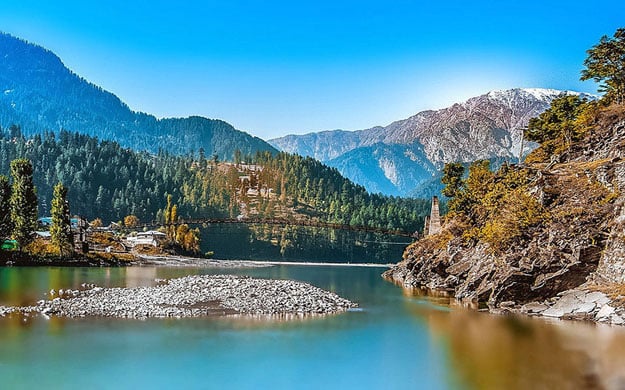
(194, 296)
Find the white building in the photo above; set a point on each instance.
(151, 237)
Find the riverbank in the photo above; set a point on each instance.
(192, 296)
(21, 259)
(184, 261)
(106, 260)
(193, 262)
(585, 303)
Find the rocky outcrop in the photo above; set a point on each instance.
(553, 269)
(611, 145)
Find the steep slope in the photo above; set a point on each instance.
(388, 169)
(323, 146)
(39, 93)
(483, 127)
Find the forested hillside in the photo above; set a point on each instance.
(110, 182)
(40, 94)
(338, 199)
(106, 180)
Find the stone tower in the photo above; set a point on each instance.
(434, 226)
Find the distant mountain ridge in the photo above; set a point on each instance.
(39, 93)
(483, 127)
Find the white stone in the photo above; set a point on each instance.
(617, 320)
(534, 307)
(553, 312)
(605, 312)
(566, 305)
(595, 296)
(585, 307)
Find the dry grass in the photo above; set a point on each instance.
(122, 257)
(148, 250)
(611, 115)
(616, 291)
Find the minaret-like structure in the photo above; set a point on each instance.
(434, 226)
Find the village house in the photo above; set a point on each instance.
(151, 237)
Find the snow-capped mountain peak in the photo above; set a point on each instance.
(542, 94)
(488, 126)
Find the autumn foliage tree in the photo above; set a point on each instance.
(131, 221)
(179, 234)
(493, 207)
(188, 239)
(562, 124)
(558, 121)
(452, 179)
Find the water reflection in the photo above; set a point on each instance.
(24, 286)
(400, 336)
(298, 243)
(511, 352)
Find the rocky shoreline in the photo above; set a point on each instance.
(578, 304)
(192, 296)
(584, 303)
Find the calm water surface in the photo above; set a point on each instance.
(396, 341)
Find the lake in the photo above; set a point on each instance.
(395, 340)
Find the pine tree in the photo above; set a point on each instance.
(61, 229)
(23, 201)
(606, 64)
(454, 185)
(6, 226)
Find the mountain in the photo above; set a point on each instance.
(484, 127)
(39, 93)
(388, 169)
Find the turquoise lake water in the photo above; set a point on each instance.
(396, 340)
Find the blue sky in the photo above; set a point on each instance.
(272, 67)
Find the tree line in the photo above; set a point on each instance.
(109, 182)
